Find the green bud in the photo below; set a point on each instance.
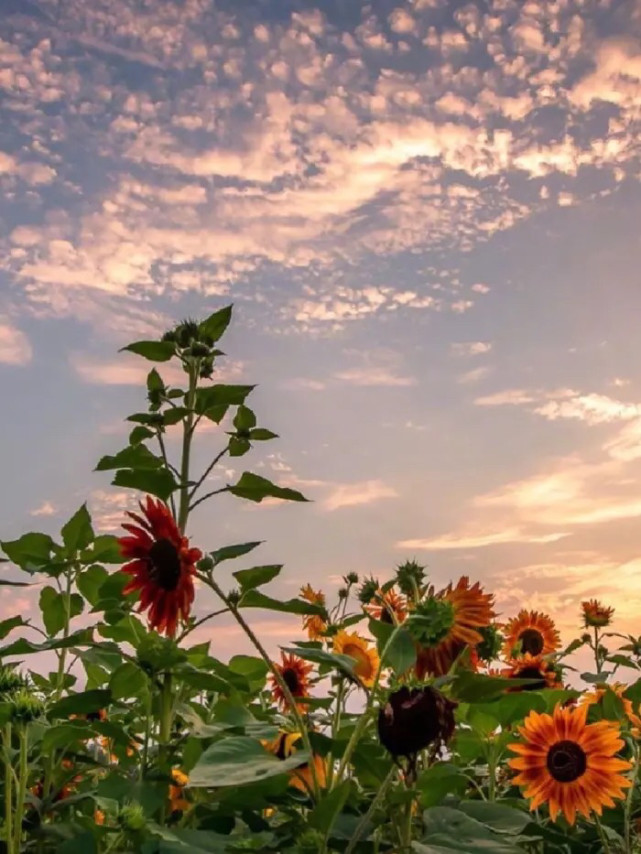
(10, 681)
(233, 597)
(343, 593)
(586, 638)
(351, 578)
(491, 644)
(187, 333)
(132, 817)
(199, 351)
(431, 620)
(310, 841)
(170, 335)
(368, 591)
(206, 564)
(25, 706)
(409, 576)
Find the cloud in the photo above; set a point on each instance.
(44, 509)
(479, 540)
(132, 370)
(380, 367)
(355, 494)
(15, 348)
(473, 376)
(590, 408)
(471, 348)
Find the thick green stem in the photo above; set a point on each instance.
(291, 701)
(491, 770)
(188, 433)
(406, 833)
(62, 655)
(8, 789)
(602, 836)
(23, 771)
(336, 722)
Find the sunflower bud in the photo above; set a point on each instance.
(132, 817)
(343, 593)
(25, 706)
(412, 719)
(368, 590)
(206, 564)
(206, 368)
(233, 598)
(431, 620)
(310, 841)
(10, 681)
(490, 646)
(409, 577)
(186, 333)
(351, 578)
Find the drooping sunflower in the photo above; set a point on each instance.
(532, 667)
(389, 607)
(314, 624)
(283, 746)
(367, 658)
(530, 631)
(161, 566)
(177, 800)
(568, 764)
(470, 609)
(595, 614)
(295, 673)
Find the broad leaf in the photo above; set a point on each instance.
(255, 488)
(9, 624)
(215, 325)
(324, 814)
(256, 599)
(82, 703)
(131, 457)
(154, 351)
(30, 551)
(231, 552)
(160, 483)
(128, 680)
(335, 660)
(78, 533)
(400, 654)
(237, 761)
(256, 576)
(221, 395)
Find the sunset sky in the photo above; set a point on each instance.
(427, 217)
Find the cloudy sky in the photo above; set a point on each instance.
(427, 217)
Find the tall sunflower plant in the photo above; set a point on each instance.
(405, 716)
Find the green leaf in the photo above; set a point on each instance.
(140, 434)
(471, 687)
(174, 415)
(78, 533)
(201, 680)
(128, 680)
(23, 646)
(83, 843)
(335, 660)
(260, 434)
(127, 630)
(154, 381)
(131, 457)
(9, 625)
(231, 552)
(238, 760)
(256, 599)
(252, 668)
(400, 655)
(215, 325)
(160, 483)
(324, 814)
(216, 413)
(256, 576)
(221, 395)
(82, 703)
(511, 708)
(105, 549)
(89, 582)
(238, 447)
(244, 419)
(500, 818)
(66, 735)
(255, 488)
(437, 781)
(29, 551)
(154, 351)
(185, 841)
(52, 606)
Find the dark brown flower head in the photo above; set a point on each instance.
(412, 719)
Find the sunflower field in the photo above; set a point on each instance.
(404, 718)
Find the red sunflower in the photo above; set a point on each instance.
(295, 673)
(162, 566)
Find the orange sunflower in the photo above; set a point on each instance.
(314, 624)
(366, 657)
(301, 778)
(176, 800)
(595, 614)
(162, 566)
(596, 695)
(295, 673)
(389, 607)
(568, 764)
(532, 667)
(470, 610)
(530, 631)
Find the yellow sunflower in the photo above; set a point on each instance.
(283, 746)
(532, 667)
(295, 673)
(366, 657)
(530, 631)
(176, 800)
(595, 614)
(568, 764)
(313, 624)
(470, 610)
(389, 607)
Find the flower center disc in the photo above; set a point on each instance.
(530, 673)
(531, 641)
(164, 564)
(566, 761)
(290, 678)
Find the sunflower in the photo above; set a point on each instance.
(176, 800)
(530, 631)
(595, 614)
(314, 624)
(470, 610)
(301, 778)
(295, 673)
(356, 647)
(162, 566)
(568, 764)
(389, 607)
(532, 667)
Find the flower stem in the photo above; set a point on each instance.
(627, 811)
(8, 789)
(291, 702)
(602, 836)
(188, 433)
(23, 771)
(378, 797)
(336, 721)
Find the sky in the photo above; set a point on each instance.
(426, 215)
